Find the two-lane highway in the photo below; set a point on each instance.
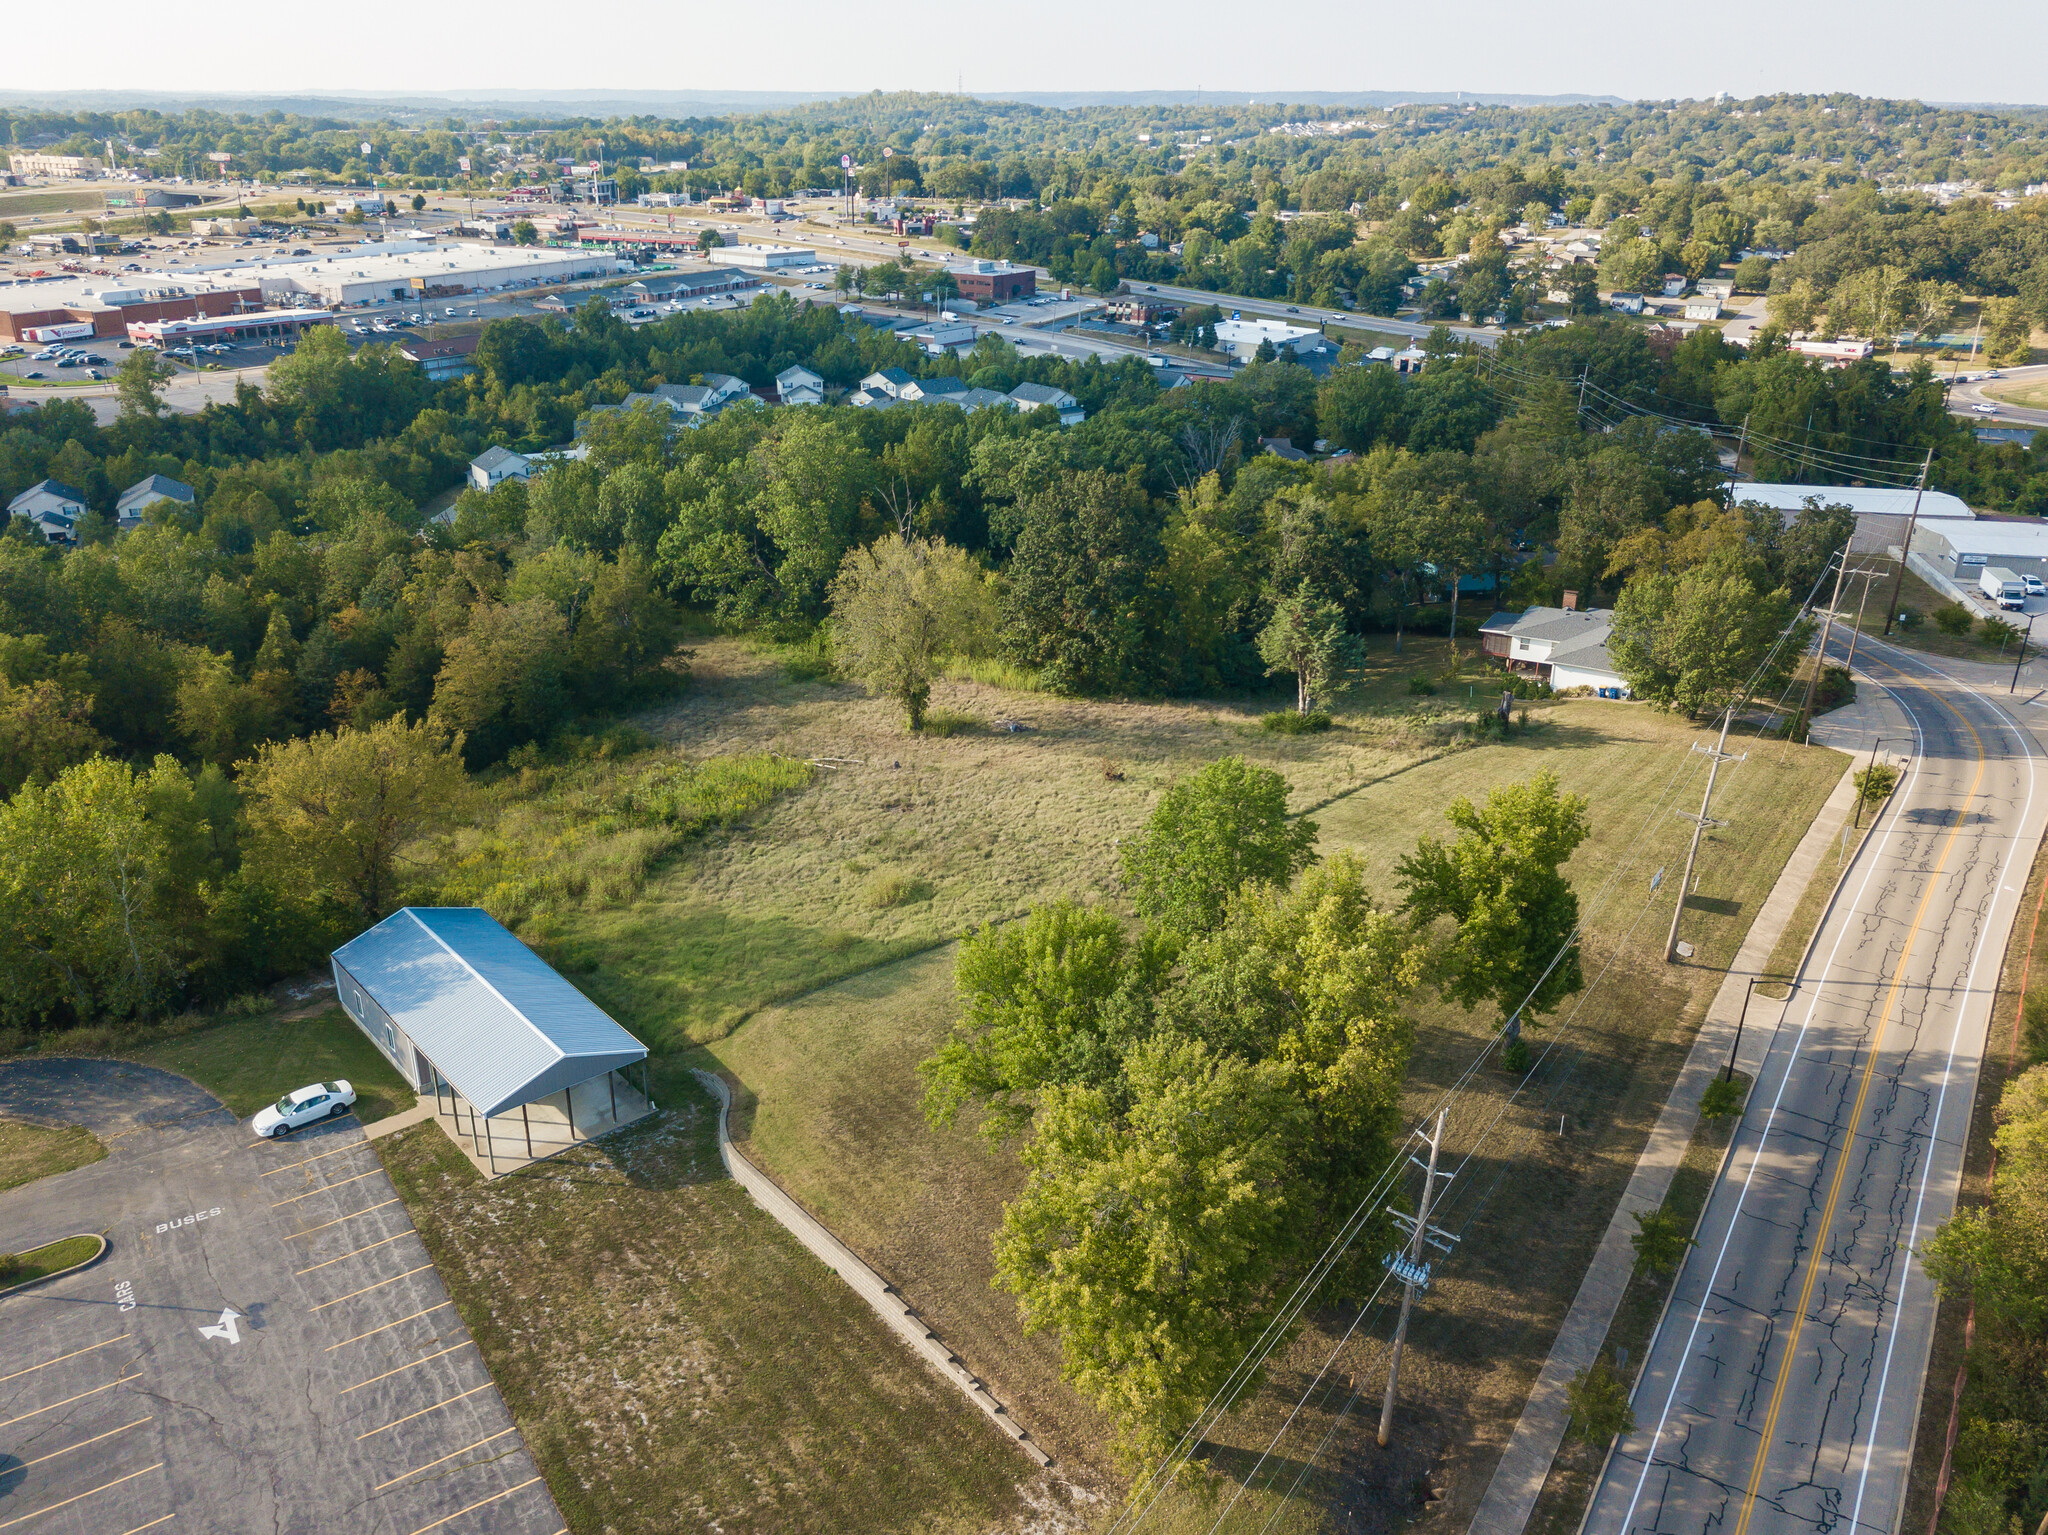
(1783, 1386)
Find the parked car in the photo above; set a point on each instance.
(308, 1105)
(2036, 587)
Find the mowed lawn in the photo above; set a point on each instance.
(253, 1061)
(29, 1152)
(830, 1106)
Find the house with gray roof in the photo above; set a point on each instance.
(53, 507)
(798, 385)
(1035, 396)
(1565, 647)
(495, 465)
(154, 490)
(929, 390)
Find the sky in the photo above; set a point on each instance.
(1978, 51)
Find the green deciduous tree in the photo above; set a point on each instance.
(1307, 640)
(1692, 641)
(139, 384)
(897, 607)
(1599, 1403)
(1211, 834)
(1660, 1242)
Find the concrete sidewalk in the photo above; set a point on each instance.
(1519, 1477)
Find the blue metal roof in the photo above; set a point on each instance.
(503, 1027)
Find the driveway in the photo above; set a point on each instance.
(265, 1347)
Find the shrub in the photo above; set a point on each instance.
(1599, 1403)
(1997, 631)
(1952, 619)
(1659, 1242)
(950, 722)
(810, 660)
(1876, 781)
(2034, 1031)
(1290, 722)
(10, 1265)
(1421, 687)
(1723, 1099)
(1515, 1057)
(1908, 619)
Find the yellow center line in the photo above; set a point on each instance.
(337, 1221)
(366, 1289)
(131, 1476)
(416, 1470)
(167, 1518)
(1827, 1216)
(345, 1342)
(339, 1183)
(414, 1365)
(96, 1390)
(62, 1357)
(373, 1433)
(357, 1146)
(422, 1530)
(84, 1442)
(359, 1252)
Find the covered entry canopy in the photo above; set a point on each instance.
(501, 1026)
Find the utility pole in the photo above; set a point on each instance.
(1409, 1268)
(1891, 610)
(1820, 659)
(2025, 635)
(1700, 823)
(1856, 633)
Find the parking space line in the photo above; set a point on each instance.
(84, 1442)
(416, 1470)
(167, 1518)
(422, 1530)
(359, 1251)
(358, 1178)
(345, 1342)
(96, 1390)
(62, 1357)
(373, 1433)
(415, 1364)
(131, 1476)
(366, 1289)
(325, 1224)
(352, 1146)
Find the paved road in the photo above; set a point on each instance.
(1967, 394)
(1782, 1389)
(1308, 314)
(333, 1385)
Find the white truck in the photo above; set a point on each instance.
(2002, 587)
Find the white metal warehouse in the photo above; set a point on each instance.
(520, 1063)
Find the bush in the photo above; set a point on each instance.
(2034, 1030)
(1515, 1057)
(1996, 631)
(1599, 1403)
(10, 1266)
(1659, 1242)
(810, 660)
(1421, 687)
(1953, 619)
(1876, 781)
(1908, 619)
(1289, 722)
(1723, 1098)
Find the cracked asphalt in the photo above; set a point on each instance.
(1782, 1388)
(335, 1387)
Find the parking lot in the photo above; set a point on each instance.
(265, 1346)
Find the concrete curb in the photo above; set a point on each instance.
(83, 1263)
(886, 1300)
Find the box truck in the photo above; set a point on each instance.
(2002, 587)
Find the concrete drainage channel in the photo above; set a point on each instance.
(886, 1300)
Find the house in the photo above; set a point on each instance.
(1702, 306)
(1565, 647)
(1722, 288)
(492, 467)
(145, 493)
(890, 382)
(441, 360)
(927, 391)
(1284, 448)
(870, 399)
(1625, 303)
(1038, 396)
(972, 400)
(799, 386)
(521, 1064)
(53, 507)
(1674, 284)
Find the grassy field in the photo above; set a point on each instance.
(14, 205)
(29, 1152)
(1917, 597)
(829, 1100)
(248, 1062)
(1562, 1503)
(2034, 394)
(677, 1360)
(41, 1262)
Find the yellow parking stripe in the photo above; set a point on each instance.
(339, 1183)
(345, 1342)
(366, 1289)
(373, 1433)
(96, 1390)
(167, 1518)
(424, 1359)
(360, 1250)
(422, 1530)
(356, 1146)
(84, 1442)
(131, 1476)
(325, 1224)
(416, 1470)
(62, 1357)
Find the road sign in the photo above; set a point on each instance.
(218, 158)
(886, 152)
(464, 163)
(366, 146)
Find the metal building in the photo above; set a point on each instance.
(519, 1062)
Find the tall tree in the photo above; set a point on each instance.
(898, 606)
(1210, 835)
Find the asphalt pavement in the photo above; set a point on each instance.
(265, 1348)
(1782, 1388)
(1966, 394)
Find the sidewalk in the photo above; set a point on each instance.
(1525, 1463)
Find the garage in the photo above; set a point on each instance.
(520, 1064)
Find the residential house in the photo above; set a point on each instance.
(1566, 647)
(926, 391)
(972, 400)
(799, 386)
(1703, 306)
(145, 493)
(890, 382)
(1722, 288)
(1674, 284)
(53, 507)
(441, 360)
(1625, 303)
(492, 467)
(1037, 396)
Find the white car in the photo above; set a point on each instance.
(1985, 410)
(294, 1111)
(2035, 586)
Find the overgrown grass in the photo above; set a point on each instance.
(29, 1152)
(248, 1062)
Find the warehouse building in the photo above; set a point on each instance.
(430, 272)
(1882, 511)
(769, 258)
(520, 1064)
(1961, 550)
